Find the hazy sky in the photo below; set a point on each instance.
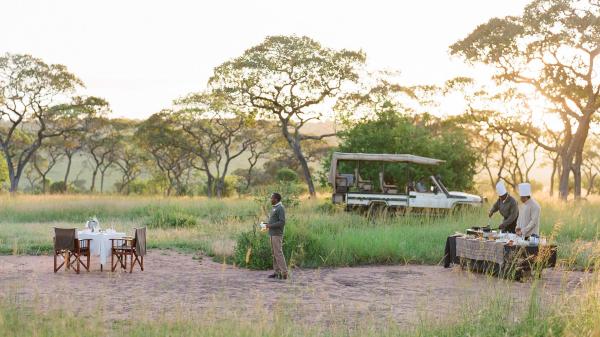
(140, 55)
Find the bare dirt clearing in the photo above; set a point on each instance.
(175, 284)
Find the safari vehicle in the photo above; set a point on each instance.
(425, 194)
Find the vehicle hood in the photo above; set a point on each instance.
(463, 195)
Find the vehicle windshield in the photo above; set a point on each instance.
(440, 183)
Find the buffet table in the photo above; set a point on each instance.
(498, 258)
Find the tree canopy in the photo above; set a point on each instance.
(37, 102)
(554, 48)
(423, 135)
(288, 79)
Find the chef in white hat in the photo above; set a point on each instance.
(529, 215)
(508, 208)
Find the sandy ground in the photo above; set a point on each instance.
(176, 284)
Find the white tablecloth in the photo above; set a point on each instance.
(100, 244)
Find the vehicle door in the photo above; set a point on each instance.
(440, 199)
(426, 197)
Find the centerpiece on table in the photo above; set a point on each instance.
(93, 224)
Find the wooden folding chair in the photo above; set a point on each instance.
(72, 249)
(134, 247)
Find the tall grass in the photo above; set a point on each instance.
(337, 238)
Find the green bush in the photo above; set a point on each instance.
(3, 170)
(58, 187)
(138, 186)
(171, 218)
(300, 248)
(286, 175)
(327, 207)
(290, 194)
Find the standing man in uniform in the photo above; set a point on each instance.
(529, 215)
(275, 225)
(508, 208)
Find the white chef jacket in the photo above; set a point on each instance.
(529, 218)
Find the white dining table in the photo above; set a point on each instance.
(100, 245)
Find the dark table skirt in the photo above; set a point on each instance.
(516, 259)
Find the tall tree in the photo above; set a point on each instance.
(44, 160)
(591, 164)
(71, 144)
(265, 136)
(100, 143)
(214, 131)
(553, 47)
(36, 98)
(505, 154)
(288, 79)
(158, 138)
(129, 160)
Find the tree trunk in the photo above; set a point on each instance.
(44, 184)
(577, 150)
(590, 187)
(563, 185)
(577, 181)
(552, 176)
(102, 181)
(94, 174)
(305, 170)
(209, 185)
(294, 143)
(220, 187)
(14, 184)
(69, 160)
(249, 178)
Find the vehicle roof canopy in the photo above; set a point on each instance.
(381, 157)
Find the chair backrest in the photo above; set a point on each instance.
(64, 238)
(140, 241)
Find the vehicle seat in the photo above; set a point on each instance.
(363, 185)
(387, 188)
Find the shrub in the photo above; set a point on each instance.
(138, 186)
(286, 175)
(230, 186)
(253, 249)
(3, 170)
(171, 218)
(58, 187)
(290, 194)
(328, 207)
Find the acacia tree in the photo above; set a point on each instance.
(36, 98)
(591, 164)
(505, 154)
(129, 160)
(158, 138)
(44, 160)
(265, 135)
(552, 47)
(215, 132)
(100, 143)
(71, 144)
(288, 78)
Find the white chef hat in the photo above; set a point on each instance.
(500, 189)
(525, 189)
